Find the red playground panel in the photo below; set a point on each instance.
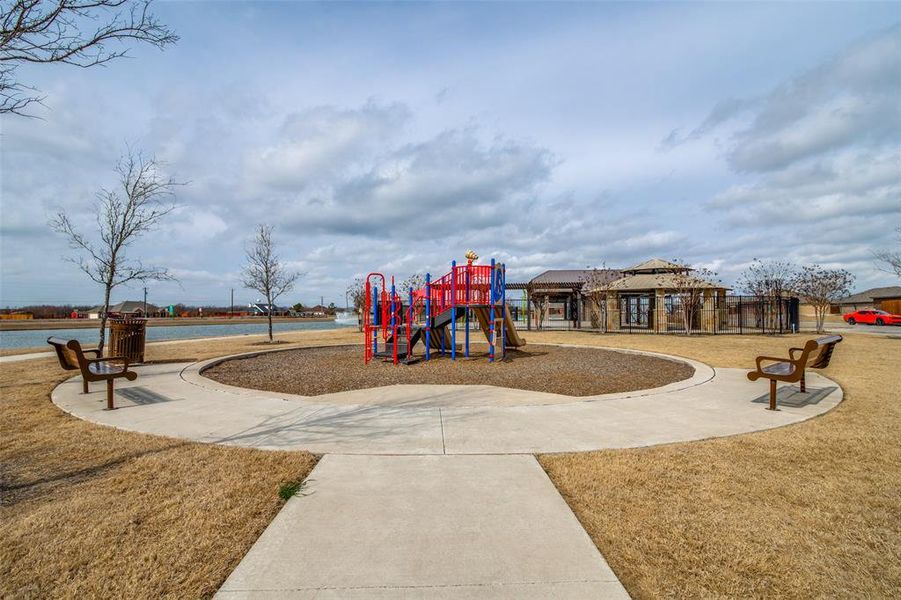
(394, 321)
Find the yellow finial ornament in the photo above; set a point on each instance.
(471, 255)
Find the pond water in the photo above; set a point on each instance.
(38, 338)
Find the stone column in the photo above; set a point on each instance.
(660, 320)
(708, 315)
(612, 311)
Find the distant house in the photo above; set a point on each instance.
(884, 298)
(315, 311)
(128, 308)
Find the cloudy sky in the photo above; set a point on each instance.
(395, 137)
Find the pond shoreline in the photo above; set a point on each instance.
(41, 324)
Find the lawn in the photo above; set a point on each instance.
(811, 510)
(89, 511)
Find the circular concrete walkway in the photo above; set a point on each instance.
(175, 400)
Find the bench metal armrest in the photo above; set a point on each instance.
(760, 359)
(94, 351)
(791, 352)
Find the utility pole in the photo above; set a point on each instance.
(321, 300)
(231, 307)
(145, 302)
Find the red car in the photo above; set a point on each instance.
(872, 317)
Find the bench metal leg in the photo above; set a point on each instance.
(84, 383)
(773, 395)
(109, 395)
(803, 384)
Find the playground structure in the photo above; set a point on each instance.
(430, 314)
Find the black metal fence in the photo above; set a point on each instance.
(637, 314)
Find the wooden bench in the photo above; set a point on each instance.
(791, 369)
(73, 357)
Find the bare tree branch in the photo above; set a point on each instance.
(265, 273)
(357, 293)
(57, 31)
(687, 286)
(890, 260)
(597, 286)
(121, 217)
(821, 287)
(769, 282)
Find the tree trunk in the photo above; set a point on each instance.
(269, 317)
(103, 317)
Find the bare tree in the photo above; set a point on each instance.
(357, 293)
(122, 216)
(414, 282)
(822, 287)
(890, 260)
(74, 32)
(687, 287)
(769, 282)
(597, 287)
(265, 273)
(539, 303)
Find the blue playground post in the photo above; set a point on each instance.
(491, 314)
(453, 310)
(504, 309)
(428, 315)
(410, 325)
(393, 318)
(375, 319)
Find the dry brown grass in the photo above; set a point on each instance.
(807, 511)
(812, 510)
(90, 511)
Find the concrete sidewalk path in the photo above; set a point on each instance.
(175, 400)
(424, 527)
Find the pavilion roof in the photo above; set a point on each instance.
(657, 265)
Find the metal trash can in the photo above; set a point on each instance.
(126, 338)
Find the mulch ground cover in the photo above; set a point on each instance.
(569, 371)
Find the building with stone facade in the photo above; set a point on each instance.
(653, 294)
(647, 296)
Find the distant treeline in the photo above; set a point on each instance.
(45, 311)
